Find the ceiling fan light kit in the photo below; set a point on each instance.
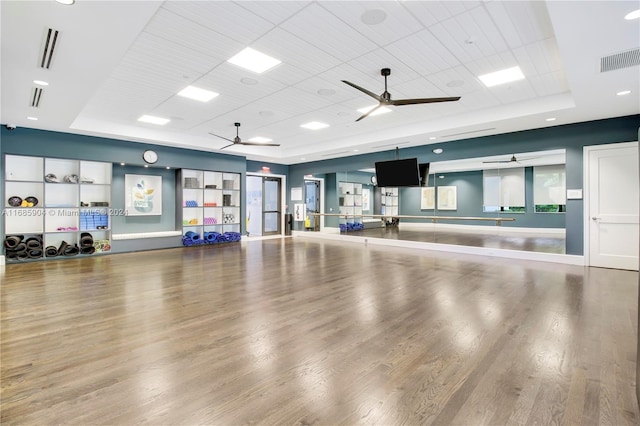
(385, 99)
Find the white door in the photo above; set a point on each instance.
(613, 205)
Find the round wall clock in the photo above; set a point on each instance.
(150, 156)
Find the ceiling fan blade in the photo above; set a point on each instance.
(398, 102)
(499, 161)
(221, 137)
(258, 143)
(363, 90)
(369, 112)
(227, 146)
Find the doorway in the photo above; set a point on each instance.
(611, 205)
(312, 201)
(264, 215)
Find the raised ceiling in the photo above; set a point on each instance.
(116, 61)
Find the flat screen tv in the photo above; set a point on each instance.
(398, 172)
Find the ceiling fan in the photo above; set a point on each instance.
(385, 98)
(238, 141)
(513, 159)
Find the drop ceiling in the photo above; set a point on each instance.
(116, 61)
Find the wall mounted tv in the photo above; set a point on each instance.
(398, 172)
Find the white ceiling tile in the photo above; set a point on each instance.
(456, 81)
(224, 17)
(274, 11)
(398, 23)
(531, 18)
(423, 53)
(549, 84)
(317, 26)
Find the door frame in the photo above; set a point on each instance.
(586, 201)
(283, 194)
(321, 197)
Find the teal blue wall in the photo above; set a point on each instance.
(572, 138)
(23, 141)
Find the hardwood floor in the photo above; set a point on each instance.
(302, 331)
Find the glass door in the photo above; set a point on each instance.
(312, 200)
(271, 205)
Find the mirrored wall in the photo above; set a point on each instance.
(515, 202)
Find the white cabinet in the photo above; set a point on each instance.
(63, 203)
(350, 206)
(210, 205)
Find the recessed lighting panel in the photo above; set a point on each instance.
(501, 77)
(40, 82)
(432, 138)
(624, 92)
(66, 2)
(314, 125)
(253, 60)
(550, 119)
(32, 118)
(260, 139)
(154, 120)
(381, 110)
(197, 94)
(633, 15)
(437, 151)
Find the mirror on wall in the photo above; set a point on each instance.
(514, 201)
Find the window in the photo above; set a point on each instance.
(503, 190)
(549, 189)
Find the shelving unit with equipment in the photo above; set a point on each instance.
(61, 203)
(350, 206)
(210, 205)
(389, 205)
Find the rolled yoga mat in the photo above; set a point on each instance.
(22, 255)
(34, 242)
(34, 253)
(86, 240)
(11, 255)
(11, 241)
(20, 247)
(193, 236)
(87, 250)
(62, 248)
(51, 251)
(71, 250)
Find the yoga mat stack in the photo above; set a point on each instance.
(17, 247)
(86, 243)
(191, 238)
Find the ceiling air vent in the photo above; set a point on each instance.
(469, 132)
(626, 59)
(35, 99)
(48, 48)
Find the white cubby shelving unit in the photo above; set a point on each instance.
(209, 201)
(71, 198)
(350, 205)
(389, 204)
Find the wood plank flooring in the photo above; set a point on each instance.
(298, 331)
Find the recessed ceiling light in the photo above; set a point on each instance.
(260, 139)
(122, 164)
(624, 92)
(168, 168)
(550, 119)
(302, 158)
(326, 92)
(66, 2)
(314, 125)
(381, 110)
(40, 83)
(253, 60)
(373, 17)
(633, 15)
(356, 150)
(154, 120)
(441, 177)
(438, 151)
(501, 77)
(197, 94)
(432, 138)
(32, 118)
(146, 166)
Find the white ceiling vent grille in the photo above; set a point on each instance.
(35, 98)
(626, 59)
(469, 132)
(48, 48)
